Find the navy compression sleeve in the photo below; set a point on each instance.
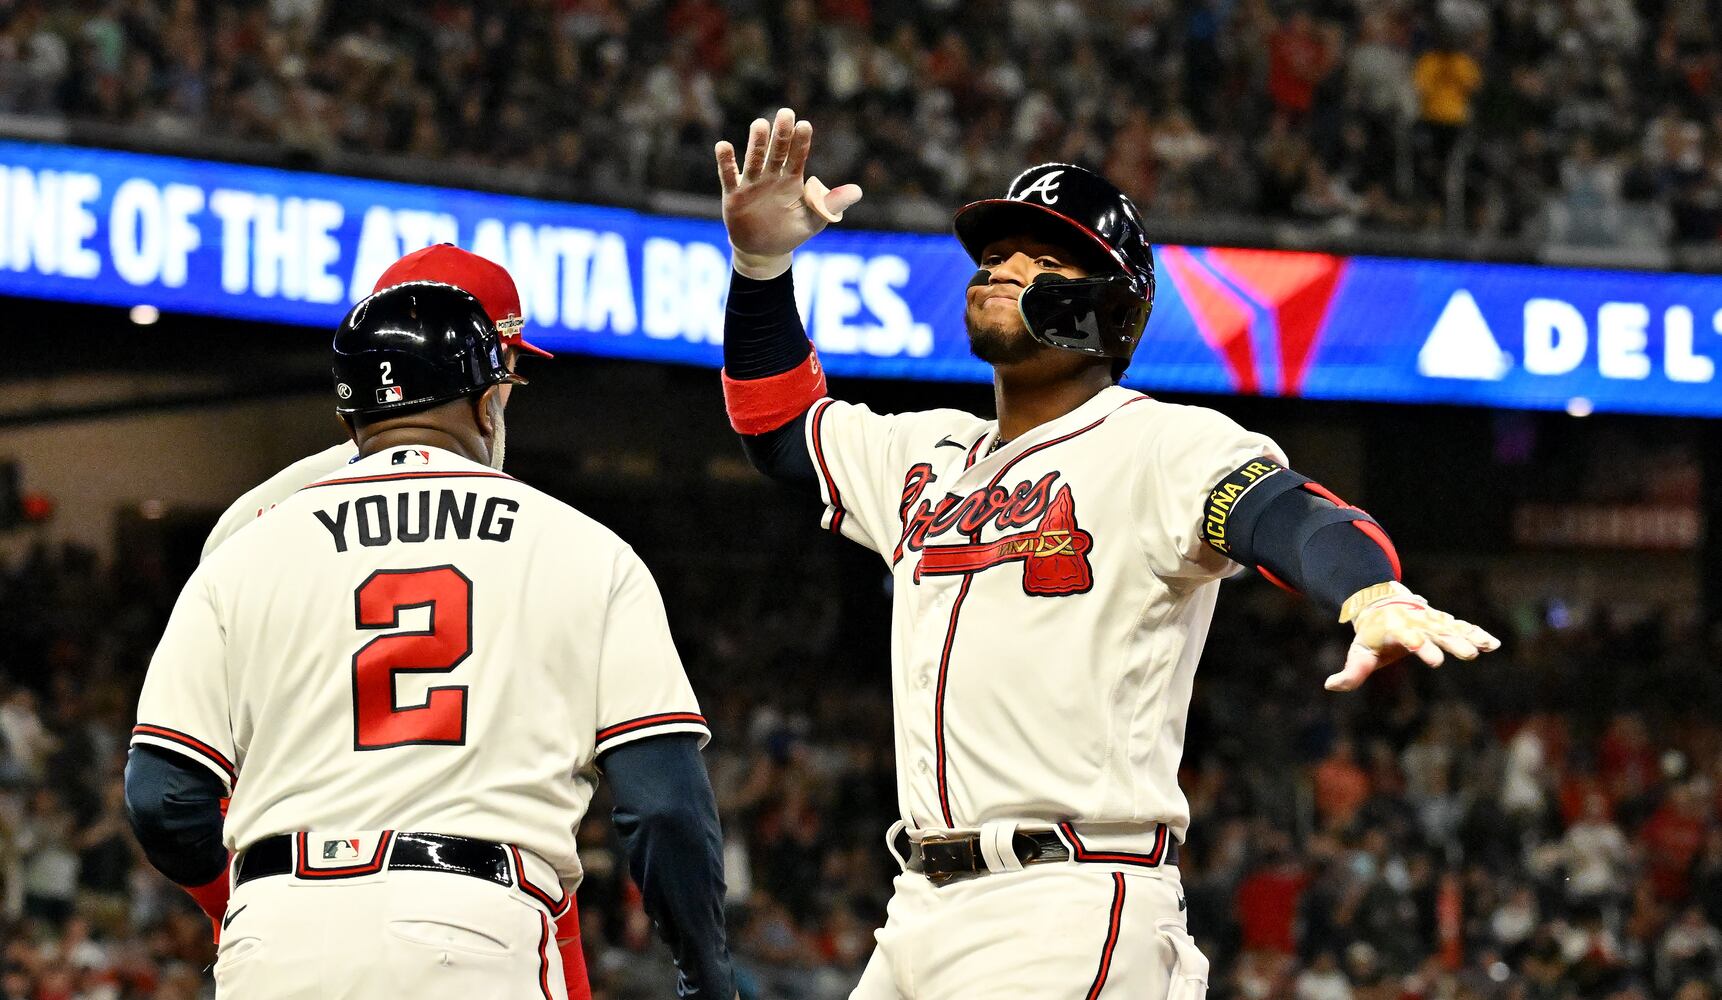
(667, 817)
(174, 805)
(1297, 533)
(764, 347)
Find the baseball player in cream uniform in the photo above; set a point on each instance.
(1055, 570)
(483, 279)
(407, 677)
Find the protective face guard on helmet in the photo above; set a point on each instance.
(1103, 315)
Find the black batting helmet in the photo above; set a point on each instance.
(413, 346)
(1103, 314)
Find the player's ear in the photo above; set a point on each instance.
(484, 411)
(347, 425)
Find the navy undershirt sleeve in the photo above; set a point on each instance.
(762, 332)
(667, 817)
(174, 805)
(762, 337)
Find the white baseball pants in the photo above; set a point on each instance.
(1047, 932)
(425, 935)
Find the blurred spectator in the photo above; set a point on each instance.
(1446, 78)
(1298, 61)
(1596, 856)
(1672, 837)
(1341, 786)
(1323, 980)
(1387, 114)
(1267, 899)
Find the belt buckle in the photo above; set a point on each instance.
(953, 841)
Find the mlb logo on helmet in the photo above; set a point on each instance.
(389, 394)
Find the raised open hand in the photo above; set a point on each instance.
(768, 207)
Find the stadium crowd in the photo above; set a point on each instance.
(1587, 122)
(1546, 827)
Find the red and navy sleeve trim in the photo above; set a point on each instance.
(1113, 924)
(390, 477)
(1080, 852)
(817, 433)
(188, 745)
(633, 726)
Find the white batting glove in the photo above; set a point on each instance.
(768, 207)
(1392, 622)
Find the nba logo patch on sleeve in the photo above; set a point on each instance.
(389, 394)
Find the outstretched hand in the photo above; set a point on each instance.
(1398, 624)
(769, 208)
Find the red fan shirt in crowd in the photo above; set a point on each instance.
(706, 23)
(1266, 906)
(1672, 838)
(1297, 62)
(1626, 759)
(1341, 787)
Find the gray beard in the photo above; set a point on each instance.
(498, 436)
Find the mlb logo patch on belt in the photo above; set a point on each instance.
(340, 855)
(341, 850)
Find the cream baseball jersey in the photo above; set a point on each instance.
(1051, 599)
(416, 642)
(260, 499)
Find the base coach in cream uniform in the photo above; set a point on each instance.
(408, 677)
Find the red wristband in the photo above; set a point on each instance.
(211, 898)
(757, 405)
(574, 977)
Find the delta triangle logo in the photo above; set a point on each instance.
(1247, 303)
(1462, 346)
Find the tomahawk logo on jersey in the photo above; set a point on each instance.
(1083, 535)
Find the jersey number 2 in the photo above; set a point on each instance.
(378, 723)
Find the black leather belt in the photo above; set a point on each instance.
(429, 852)
(946, 859)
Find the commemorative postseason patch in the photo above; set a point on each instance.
(1217, 514)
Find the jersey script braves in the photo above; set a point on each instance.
(1051, 599)
(416, 642)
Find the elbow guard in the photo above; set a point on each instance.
(759, 405)
(1266, 516)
